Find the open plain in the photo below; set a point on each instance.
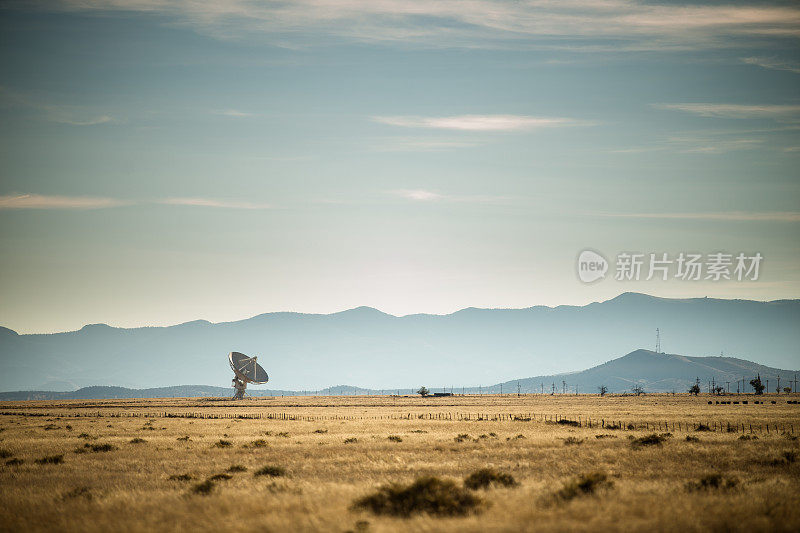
(579, 463)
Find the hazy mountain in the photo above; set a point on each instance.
(655, 372)
(366, 346)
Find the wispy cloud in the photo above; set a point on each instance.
(480, 123)
(766, 216)
(471, 23)
(235, 113)
(62, 114)
(770, 111)
(211, 202)
(424, 195)
(773, 63)
(41, 201)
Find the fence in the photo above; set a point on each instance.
(580, 421)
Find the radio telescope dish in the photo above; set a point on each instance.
(246, 370)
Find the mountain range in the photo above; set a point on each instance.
(471, 347)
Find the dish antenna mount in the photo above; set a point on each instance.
(245, 370)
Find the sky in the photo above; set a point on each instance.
(166, 161)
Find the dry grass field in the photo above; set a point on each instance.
(300, 464)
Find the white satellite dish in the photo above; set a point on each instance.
(246, 370)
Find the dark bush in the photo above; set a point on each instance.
(204, 488)
(219, 477)
(5, 454)
(50, 460)
(137, 440)
(14, 462)
(790, 456)
(425, 495)
(223, 444)
(572, 440)
(711, 482)
(320, 431)
(483, 478)
(584, 485)
(237, 468)
(350, 440)
(702, 427)
(565, 422)
(462, 437)
(648, 440)
(270, 470)
(259, 443)
(184, 438)
(748, 437)
(605, 436)
(102, 447)
(692, 438)
(395, 438)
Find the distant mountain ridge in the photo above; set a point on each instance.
(654, 372)
(364, 345)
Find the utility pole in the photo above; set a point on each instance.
(518, 394)
(779, 385)
(658, 341)
(728, 386)
(554, 388)
(501, 389)
(563, 387)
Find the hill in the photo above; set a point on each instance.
(364, 345)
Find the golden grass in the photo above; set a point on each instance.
(137, 486)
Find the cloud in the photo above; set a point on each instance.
(769, 216)
(777, 112)
(233, 113)
(469, 23)
(481, 123)
(772, 63)
(210, 202)
(62, 114)
(424, 195)
(40, 201)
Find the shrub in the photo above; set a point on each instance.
(237, 468)
(417, 431)
(320, 431)
(180, 477)
(790, 456)
(648, 440)
(223, 444)
(137, 440)
(259, 443)
(748, 437)
(218, 477)
(702, 427)
(80, 492)
(712, 481)
(483, 478)
(102, 447)
(50, 460)
(85, 436)
(204, 488)
(185, 438)
(283, 434)
(5, 454)
(350, 440)
(425, 495)
(395, 438)
(462, 437)
(572, 440)
(692, 438)
(605, 436)
(565, 422)
(584, 485)
(14, 462)
(271, 471)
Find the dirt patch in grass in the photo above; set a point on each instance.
(429, 495)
